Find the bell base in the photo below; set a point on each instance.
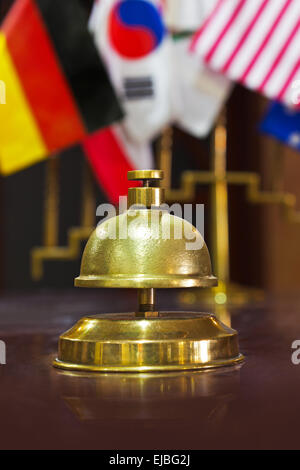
(213, 365)
(126, 343)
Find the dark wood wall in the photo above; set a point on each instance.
(243, 116)
(264, 245)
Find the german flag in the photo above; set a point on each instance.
(111, 152)
(57, 89)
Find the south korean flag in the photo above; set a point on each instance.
(134, 43)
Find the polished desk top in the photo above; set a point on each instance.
(254, 406)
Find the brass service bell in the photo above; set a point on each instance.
(141, 249)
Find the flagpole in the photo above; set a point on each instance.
(219, 200)
(51, 203)
(165, 156)
(88, 210)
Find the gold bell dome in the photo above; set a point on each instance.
(151, 253)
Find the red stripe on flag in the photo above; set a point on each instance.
(225, 30)
(109, 162)
(245, 35)
(289, 80)
(205, 26)
(280, 56)
(46, 89)
(266, 40)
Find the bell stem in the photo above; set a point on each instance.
(146, 303)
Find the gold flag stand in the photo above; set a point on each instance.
(50, 250)
(218, 179)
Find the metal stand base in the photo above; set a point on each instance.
(127, 343)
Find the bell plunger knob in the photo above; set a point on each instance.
(146, 175)
(150, 195)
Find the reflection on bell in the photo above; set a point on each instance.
(147, 248)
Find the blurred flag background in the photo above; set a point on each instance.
(284, 124)
(55, 82)
(108, 86)
(255, 42)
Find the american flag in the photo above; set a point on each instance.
(255, 42)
